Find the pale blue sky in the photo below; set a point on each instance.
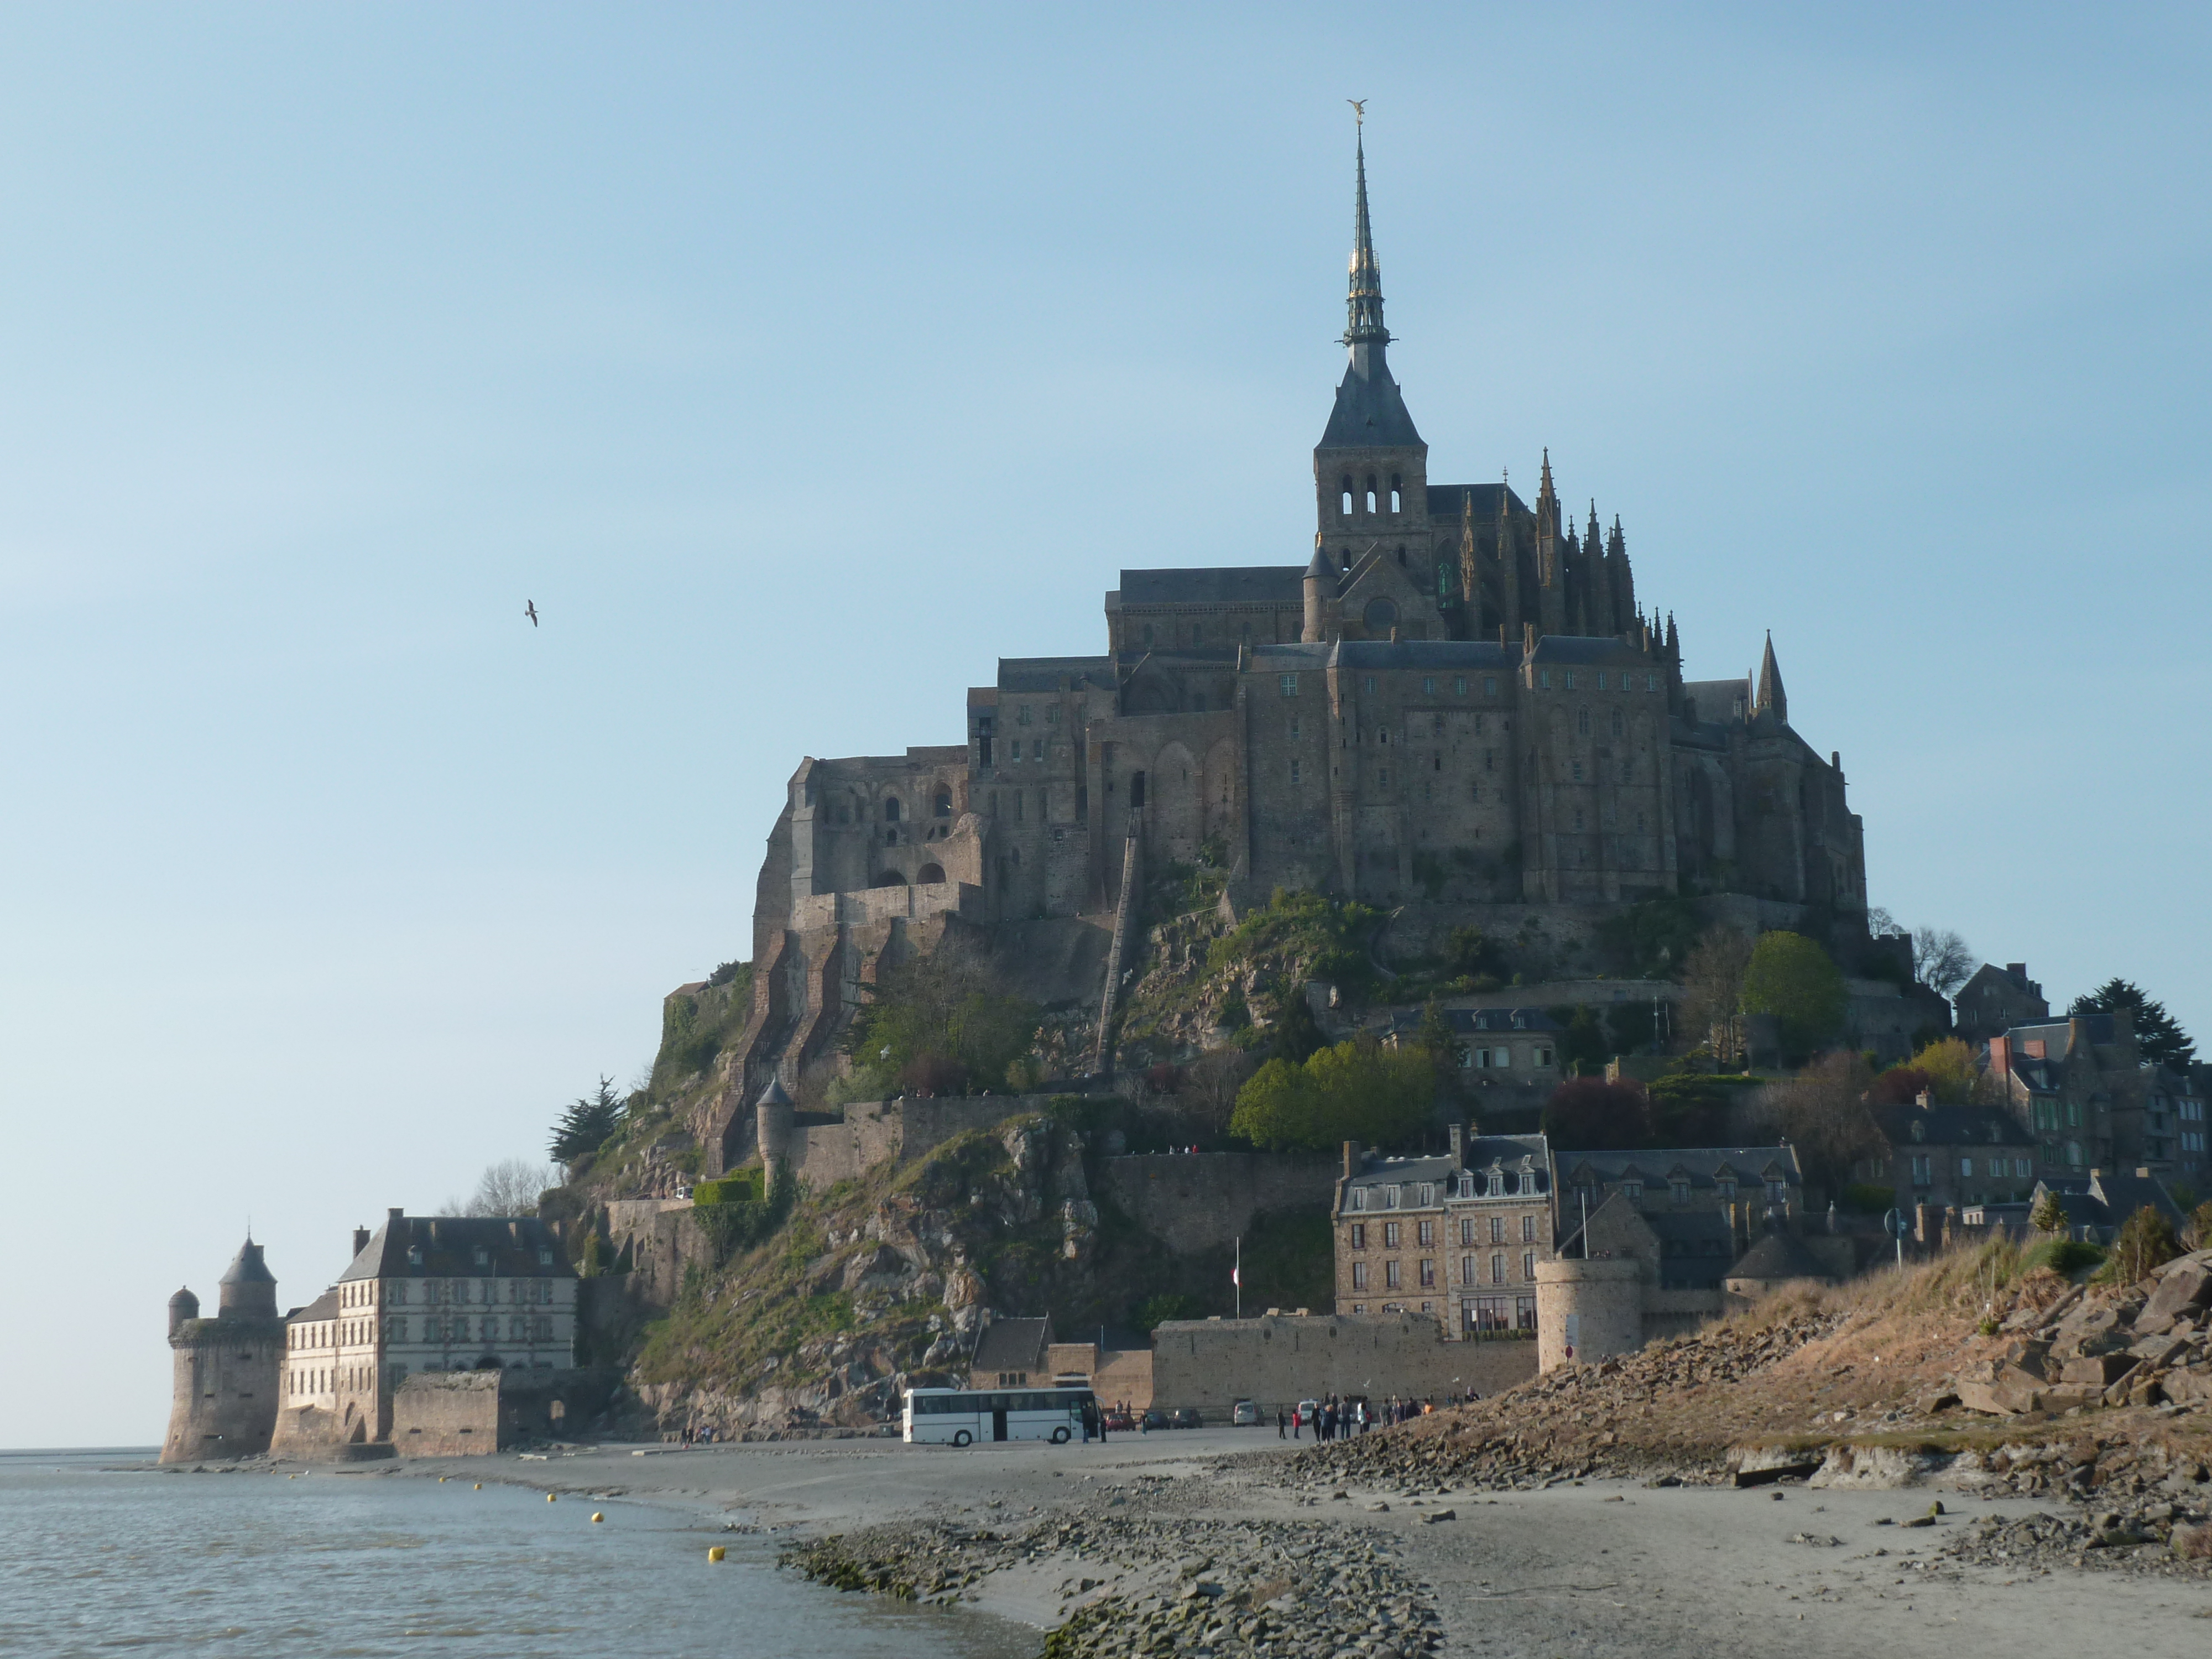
(800, 362)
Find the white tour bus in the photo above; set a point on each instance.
(960, 1417)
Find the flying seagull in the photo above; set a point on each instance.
(529, 610)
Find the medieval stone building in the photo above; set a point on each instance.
(1454, 697)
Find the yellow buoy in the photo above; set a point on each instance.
(479, 1485)
(442, 1479)
(597, 1517)
(715, 1551)
(549, 1498)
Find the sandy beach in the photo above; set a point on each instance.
(1598, 1568)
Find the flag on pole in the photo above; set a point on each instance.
(1236, 1276)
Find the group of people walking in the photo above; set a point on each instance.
(1332, 1418)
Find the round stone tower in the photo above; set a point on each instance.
(1595, 1308)
(772, 1124)
(225, 1371)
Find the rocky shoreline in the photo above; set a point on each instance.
(1148, 1580)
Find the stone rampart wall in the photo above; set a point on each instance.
(470, 1413)
(1205, 1200)
(1210, 1364)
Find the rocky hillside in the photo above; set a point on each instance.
(1944, 1374)
(878, 1284)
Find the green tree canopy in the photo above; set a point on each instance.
(1793, 979)
(1354, 1092)
(2159, 1035)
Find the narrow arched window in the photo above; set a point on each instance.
(890, 809)
(1370, 492)
(1397, 497)
(1581, 722)
(1345, 491)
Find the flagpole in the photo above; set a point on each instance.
(1237, 1275)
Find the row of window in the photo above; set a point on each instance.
(1469, 1270)
(1500, 1059)
(1371, 497)
(1425, 1233)
(1498, 1312)
(1626, 681)
(1424, 1194)
(1679, 1192)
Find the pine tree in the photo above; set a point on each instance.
(588, 1124)
(2159, 1036)
(2050, 1215)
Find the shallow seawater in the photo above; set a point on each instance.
(97, 1560)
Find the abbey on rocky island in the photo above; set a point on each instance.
(1456, 703)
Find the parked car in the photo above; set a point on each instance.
(1157, 1420)
(1308, 1412)
(1184, 1418)
(1120, 1422)
(1244, 1414)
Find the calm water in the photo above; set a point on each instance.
(334, 1565)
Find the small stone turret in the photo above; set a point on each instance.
(772, 1121)
(226, 1372)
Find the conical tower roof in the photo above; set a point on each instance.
(1370, 412)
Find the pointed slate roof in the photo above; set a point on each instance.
(1770, 695)
(1370, 412)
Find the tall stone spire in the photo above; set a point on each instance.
(1363, 307)
(1771, 698)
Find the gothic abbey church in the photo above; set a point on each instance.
(1456, 703)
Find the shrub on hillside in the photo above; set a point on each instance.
(2063, 1256)
(2146, 1241)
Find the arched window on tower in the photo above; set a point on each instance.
(1370, 492)
(1397, 498)
(1581, 722)
(890, 809)
(1345, 489)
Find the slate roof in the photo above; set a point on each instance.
(1255, 584)
(1474, 1020)
(1577, 649)
(1014, 1345)
(1370, 412)
(1951, 1126)
(2126, 1193)
(325, 1306)
(247, 1267)
(1464, 655)
(1481, 1152)
(1703, 1165)
(1045, 673)
(1779, 1256)
(1448, 501)
(447, 1246)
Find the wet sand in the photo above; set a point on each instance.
(1596, 1569)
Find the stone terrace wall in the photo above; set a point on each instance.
(877, 1132)
(1209, 1364)
(1204, 1200)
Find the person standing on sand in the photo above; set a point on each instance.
(1281, 1432)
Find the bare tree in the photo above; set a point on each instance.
(1712, 978)
(510, 1188)
(1210, 1084)
(1941, 959)
(1823, 1113)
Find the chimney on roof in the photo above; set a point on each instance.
(1925, 1099)
(394, 1214)
(359, 1240)
(2018, 970)
(1350, 1159)
(1458, 1144)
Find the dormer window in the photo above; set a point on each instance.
(545, 1256)
(1631, 1189)
(1497, 1188)
(1678, 1191)
(1428, 1193)
(1919, 1130)
(1393, 1196)
(483, 1257)
(414, 1256)
(1725, 1186)
(1466, 1186)
(1359, 1198)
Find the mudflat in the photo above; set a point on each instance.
(1144, 1527)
